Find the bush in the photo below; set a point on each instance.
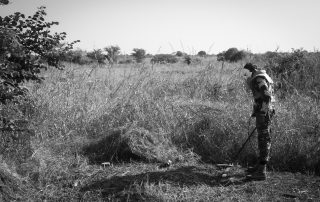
(139, 54)
(97, 55)
(294, 71)
(26, 47)
(164, 58)
(270, 55)
(237, 56)
(4, 2)
(113, 53)
(202, 53)
(77, 56)
(220, 56)
(187, 59)
(126, 61)
(179, 54)
(231, 55)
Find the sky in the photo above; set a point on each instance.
(166, 26)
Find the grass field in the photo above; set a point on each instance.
(137, 116)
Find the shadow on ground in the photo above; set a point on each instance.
(118, 186)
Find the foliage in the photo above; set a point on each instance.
(164, 58)
(26, 46)
(185, 115)
(181, 115)
(4, 2)
(231, 55)
(237, 56)
(270, 55)
(139, 54)
(76, 56)
(149, 55)
(97, 55)
(202, 53)
(112, 53)
(187, 59)
(179, 54)
(298, 70)
(126, 61)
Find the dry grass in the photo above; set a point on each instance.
(83, 116)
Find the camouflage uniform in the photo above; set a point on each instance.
(261, 86)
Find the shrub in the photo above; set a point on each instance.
(112, 53)
(220, 56)
(271, 55)
(202, 53)
(164, 58)
(139, 54)
(179, 54)
(97, 55)
(77, 56)
(4, 2)
(26, 46)
(237, 56)
(298, 70)
(231, 55)
(187, 59)
(126, 61)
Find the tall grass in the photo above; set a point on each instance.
(205, 111)
(84, 116)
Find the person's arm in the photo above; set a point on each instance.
(263, 87)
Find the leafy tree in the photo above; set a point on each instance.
(237, 56)
(4, 2)
(179, 54)
(231, 55)
(139, 54)
(112, 53)
(97, 55)
(202, 53)
(27, 45)
(221, 56)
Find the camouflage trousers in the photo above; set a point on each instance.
(264, 139)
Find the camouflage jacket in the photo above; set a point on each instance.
(261, 86)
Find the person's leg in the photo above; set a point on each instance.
(264, 140)
(264, 144)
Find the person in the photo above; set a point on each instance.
(261, 85)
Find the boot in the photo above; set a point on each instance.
(260, 173)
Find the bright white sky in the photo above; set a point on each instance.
(165, 26)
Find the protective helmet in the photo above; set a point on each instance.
(250, 67)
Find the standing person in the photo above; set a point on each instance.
(260, 84)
